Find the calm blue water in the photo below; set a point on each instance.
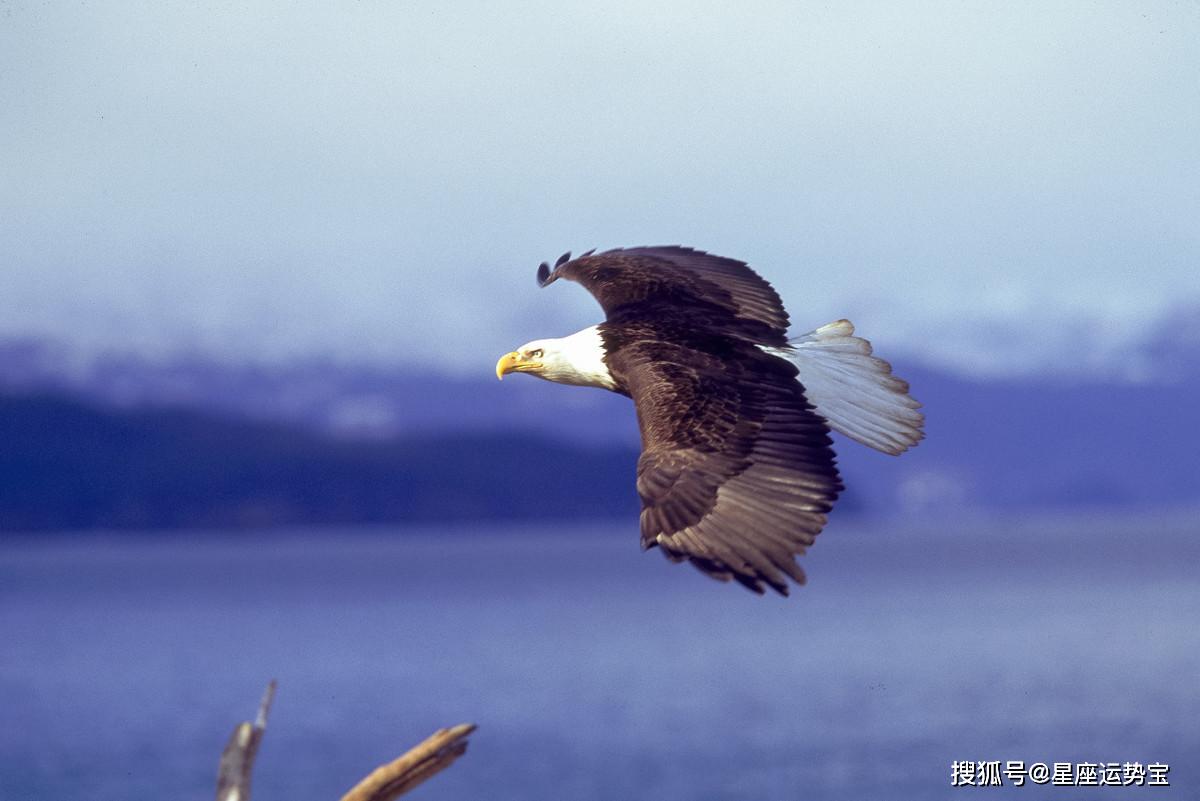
(597, 672)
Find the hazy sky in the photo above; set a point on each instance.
(982, 185)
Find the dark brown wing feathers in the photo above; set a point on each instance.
(635, 280)
(737, 473)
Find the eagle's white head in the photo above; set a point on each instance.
(577, 359)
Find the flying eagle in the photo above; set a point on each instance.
(737, 472)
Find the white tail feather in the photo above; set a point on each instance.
(853, 390)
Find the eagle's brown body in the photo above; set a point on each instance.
(737, 472)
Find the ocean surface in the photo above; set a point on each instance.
(597, 672)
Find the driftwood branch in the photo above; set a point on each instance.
(385, 783)
(237, 760)
(437, 753)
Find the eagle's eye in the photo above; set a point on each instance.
(535, 354)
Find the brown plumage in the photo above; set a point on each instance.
(737, 472)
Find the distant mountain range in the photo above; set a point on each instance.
(354, 400)
(67, 464)
(134, 443)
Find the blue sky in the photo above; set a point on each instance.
(991, 187)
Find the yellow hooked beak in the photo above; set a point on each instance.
(515, 363)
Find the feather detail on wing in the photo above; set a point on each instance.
(726, 293)
(736, 474)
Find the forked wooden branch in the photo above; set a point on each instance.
(384, 783)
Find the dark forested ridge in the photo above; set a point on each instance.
(78, 459)
(67, 464)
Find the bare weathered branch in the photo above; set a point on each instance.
(383, 784)
(237, 760)
(401, 775)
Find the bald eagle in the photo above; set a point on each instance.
(737, 472)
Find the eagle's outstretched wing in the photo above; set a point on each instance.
(725, 293)
(736, 474)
